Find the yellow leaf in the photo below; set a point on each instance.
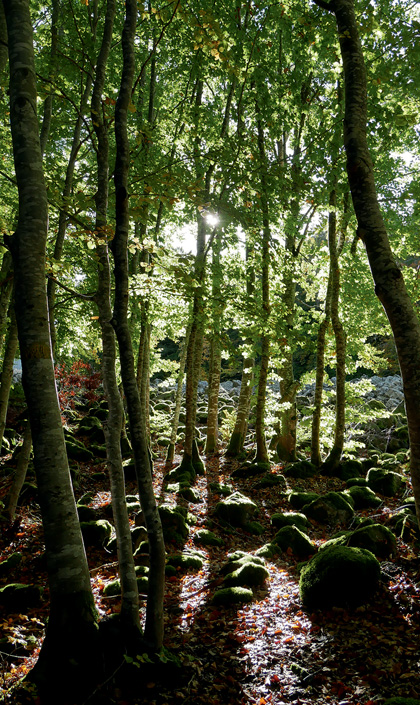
(132, 108)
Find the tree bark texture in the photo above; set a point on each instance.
(154, 611)
(130, 620)
(69, 650)
(6, 286)
(389, 282)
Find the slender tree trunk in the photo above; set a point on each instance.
(215, 363)
(237, 439)
(7, 371)
(319, 377)
(68, 184)
(261, 455)
(6, 286)
(20, 474)
(69, 657)
(154, 612)
(333, 459)
(389, 282)
(178, 397)
(48, 102)
(130, 600)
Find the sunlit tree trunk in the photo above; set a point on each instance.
(69, 657)
(389, 282)
(154, 611)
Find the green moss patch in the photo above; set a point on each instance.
(289, 519)
(204, 537)
(339, 576)
(290, 537)
(232, 596)
(236, 509)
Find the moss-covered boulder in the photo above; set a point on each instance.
(92, 427)
(86, 513)
(113, 588)
(190, 495)
(224, 490)
(271, 479)
(378, 539)
(173, 523)
(290, 537)
(339, 576)
(204, 537)
(239, 559)
(17, 596)
(185, 561)
(350, 468)
(303, 469)
(331, 508)
(96, 533)
(10, 563)
(289, 519)
(249, 575)
(232, 596)
(138, 535)
(236, 509)
(249, 469)
(385, 482)
(268, 551)
(77, 451)
(356, 482)
(299, 499)
(363, 497)
(254, 528)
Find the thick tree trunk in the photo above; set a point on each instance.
(130, 620)
(389, 283)
(154, 612)
(7, 371)
(69, 656)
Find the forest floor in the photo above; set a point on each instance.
(268, 651)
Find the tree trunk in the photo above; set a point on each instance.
(319, 377)
(154, 612)
(389, 282)
(6, 286)
(130, 620)
(261, 455)
(20, 474)
(237, 439)
(48, 102)
(215, 363)
(178, 397)
(7, 371)
(69, 656)
(333, 459)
